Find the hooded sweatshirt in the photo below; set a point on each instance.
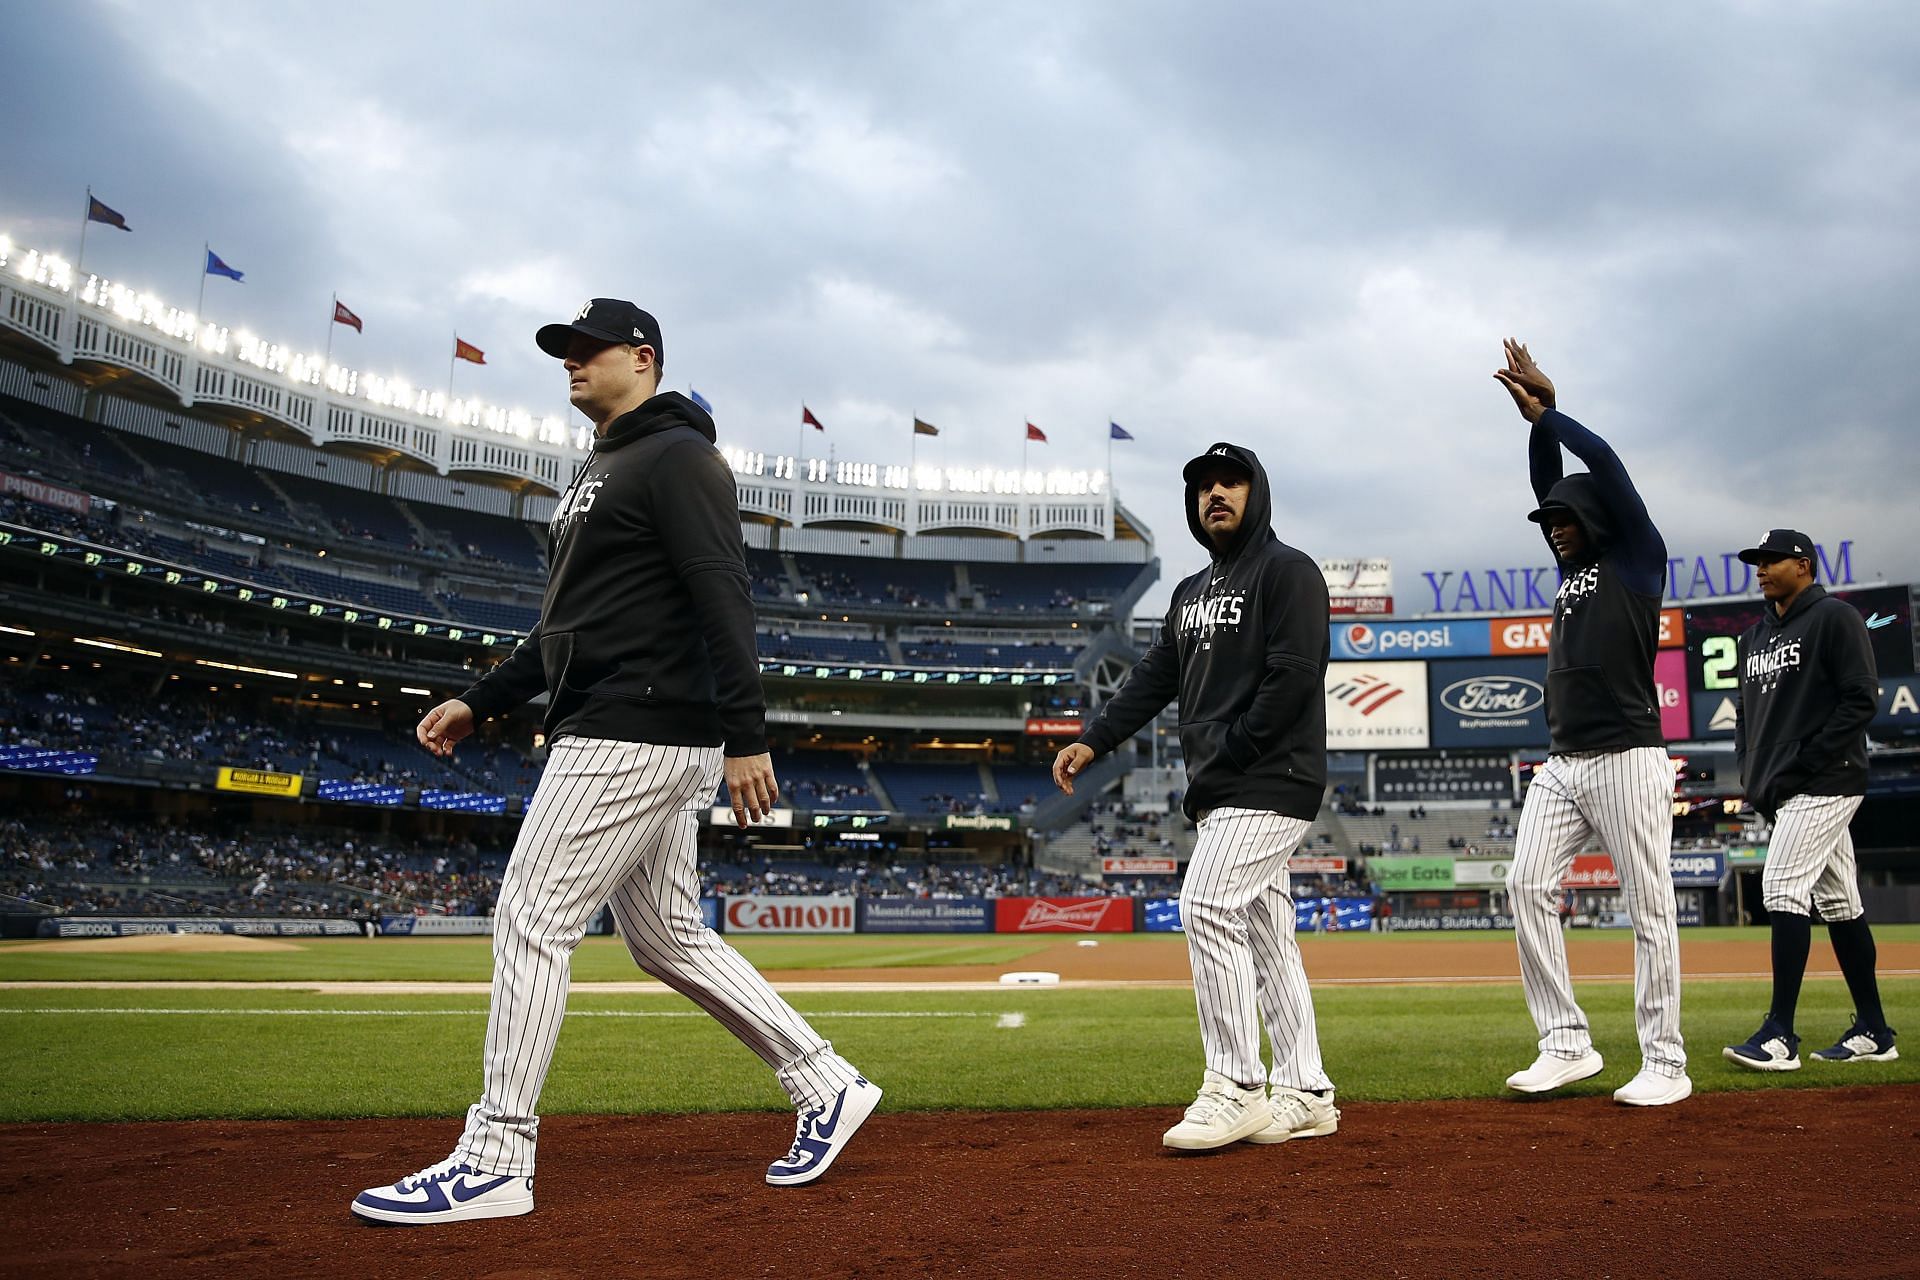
(1244, 649)
(1808, 691)
(646, 631)
(1606, 618)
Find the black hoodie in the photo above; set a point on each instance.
(1606, 617)
(1808, 691)
(1244, 648)
(646, 631)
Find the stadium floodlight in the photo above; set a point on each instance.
(243, 668)
(423, 693)
(17, 631)
(116, 645)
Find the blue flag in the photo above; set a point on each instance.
(215, 267)
(699, 399)
(1118, 432)
(98, 212)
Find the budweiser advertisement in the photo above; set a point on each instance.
(1317, 864)
(1063, 728)
(1063, 915)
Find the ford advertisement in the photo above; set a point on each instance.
(1488, 702)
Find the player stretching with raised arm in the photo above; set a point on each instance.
(1607, 770)
(1245, 651)
(645, 649)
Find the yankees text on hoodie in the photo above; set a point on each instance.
(1808, 691)
(1244, 649)
(1606, 618)
(646, 631)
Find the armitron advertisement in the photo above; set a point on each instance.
(258, 782)
(1376, 706)
(1063, 915)
(1361, 586)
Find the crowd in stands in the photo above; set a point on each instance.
(115, 866)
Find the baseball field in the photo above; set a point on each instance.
(183, 1103)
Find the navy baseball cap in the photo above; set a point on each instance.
(1553, 511)
(1779, 544)
(604, 320)
(1221, 453)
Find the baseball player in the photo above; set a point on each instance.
(1808, 690)
(1245, 651)
(1607, 770)
(645, 648)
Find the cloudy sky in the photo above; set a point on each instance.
(1306, 232)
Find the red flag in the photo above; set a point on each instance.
(343, 316)
(467, 351)
(808, 420)
(98, 212)
(922, 427)
(1035, 433)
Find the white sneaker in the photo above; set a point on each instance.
(451, 1191)
(1298, 1114)
(1651, 1089)
(1549, 1072)
(1223, 1113)
(822, 1133)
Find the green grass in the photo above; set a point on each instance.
(1075, 1049)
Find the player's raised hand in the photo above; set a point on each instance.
(445, 725)
(752, 787)
(1072, 759)
(1532, 390)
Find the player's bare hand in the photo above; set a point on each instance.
(1532, 390)
(751, 787)
(445, 725)
(1071, 760)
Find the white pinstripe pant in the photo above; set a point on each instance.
(1237, 911)
(1626, 798)
(615, 821)
(1810, 859)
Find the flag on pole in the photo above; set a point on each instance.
(343, 316)
(1118, 432)
(467, 351)
(808, 420)
(699, 399)
(97, 212)
(215, 267)
(1035, 433)
(924, 428)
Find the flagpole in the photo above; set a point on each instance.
(1109, 450)
(800, 441)
(200, 307)
(451, 360)
(333, 314)
(913, 451)
(85, 217)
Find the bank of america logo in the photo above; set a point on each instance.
(1366, 694)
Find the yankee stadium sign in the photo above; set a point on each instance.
(1534, 587)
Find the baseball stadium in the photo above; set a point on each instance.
(247, 915)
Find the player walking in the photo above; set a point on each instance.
(1808, 690)
(1245, 651)
(645, 647)
(1607, 771)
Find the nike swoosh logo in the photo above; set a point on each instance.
(464, 1191)
(1875, 621)
(823, 1129)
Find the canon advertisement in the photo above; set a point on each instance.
(1488, 702)
(1376, 706)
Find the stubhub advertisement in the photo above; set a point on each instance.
(1353, 641)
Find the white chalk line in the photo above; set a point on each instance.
(1004, 1020)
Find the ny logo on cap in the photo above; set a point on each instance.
(582, 313)
(1224, 452)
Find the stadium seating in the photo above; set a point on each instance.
(933, 788)
(475, 534)
(353, 513)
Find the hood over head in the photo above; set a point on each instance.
(1578, 494)
(659, 413)
(1256, 523)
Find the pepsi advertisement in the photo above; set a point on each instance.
(1363, 641)
(1488, 702)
